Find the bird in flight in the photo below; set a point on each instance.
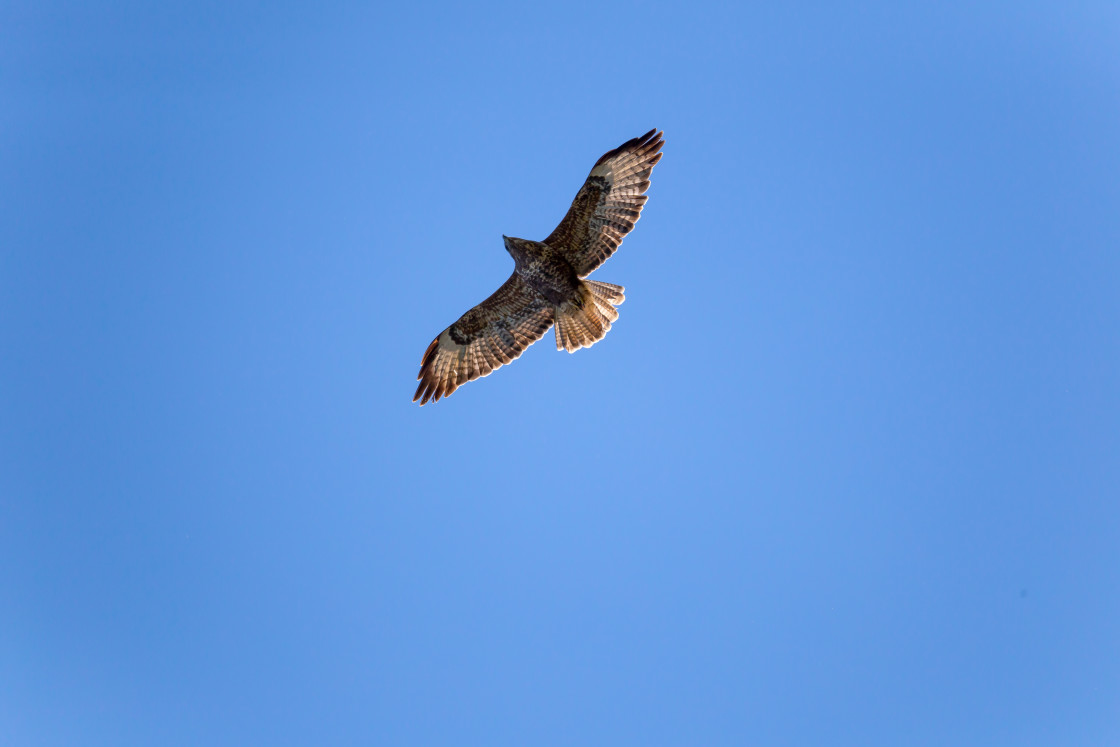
(547, 286)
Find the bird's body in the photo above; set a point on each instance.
(547, 285)
(543, 269)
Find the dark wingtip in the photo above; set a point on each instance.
(651, 141)
(650, 138)
(428, 355)
(424, 389)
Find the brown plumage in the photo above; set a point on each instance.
(547, 285)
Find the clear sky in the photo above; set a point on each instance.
(845, 472)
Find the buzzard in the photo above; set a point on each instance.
(547, 285)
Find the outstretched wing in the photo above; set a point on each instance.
(485, 338)
(608, 205)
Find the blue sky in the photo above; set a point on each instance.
(845, 471)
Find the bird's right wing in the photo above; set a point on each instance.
(485, 338)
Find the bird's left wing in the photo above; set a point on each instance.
(608, 204)
(485, 338)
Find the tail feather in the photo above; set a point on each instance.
(586, 319)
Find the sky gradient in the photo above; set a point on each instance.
(845, 471)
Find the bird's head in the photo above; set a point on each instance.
(513, 246)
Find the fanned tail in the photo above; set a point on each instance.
(586, 319)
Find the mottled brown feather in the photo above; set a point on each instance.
(499, 328)
(608, 204)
